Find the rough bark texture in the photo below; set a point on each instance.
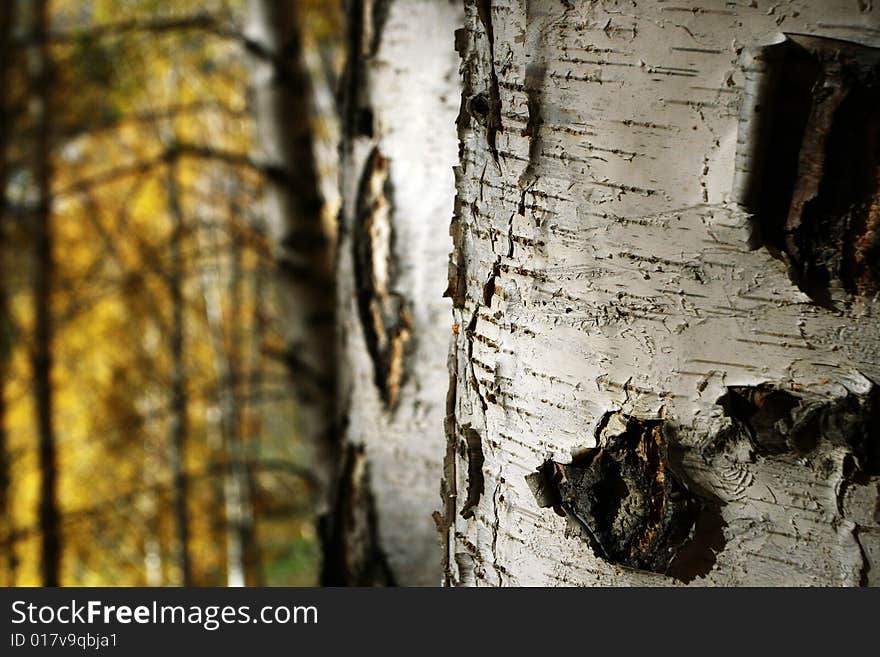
(622, 354)
(398, 150)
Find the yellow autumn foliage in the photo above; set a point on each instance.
(122, 102)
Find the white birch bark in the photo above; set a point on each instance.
(399, 146)
(602, 274)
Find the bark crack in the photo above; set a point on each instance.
(448, 486)
(473, 448)
(489, 109)
(385, 314)
(469, 334)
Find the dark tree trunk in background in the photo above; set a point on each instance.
(44, 269)
(7, 22)
(302, 242)
(179, 424)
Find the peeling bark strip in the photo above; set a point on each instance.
(445, 519)
(812, 172)
(472, 448)
(635, 511)
(486, 107)
(772, 420)
(482, 97)
(385, 313)
(302, 243)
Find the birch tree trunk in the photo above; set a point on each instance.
(238, 511)
(678, 361)
(398, 149)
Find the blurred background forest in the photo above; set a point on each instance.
(145, 424)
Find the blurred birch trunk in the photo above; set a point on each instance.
(398, 147)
